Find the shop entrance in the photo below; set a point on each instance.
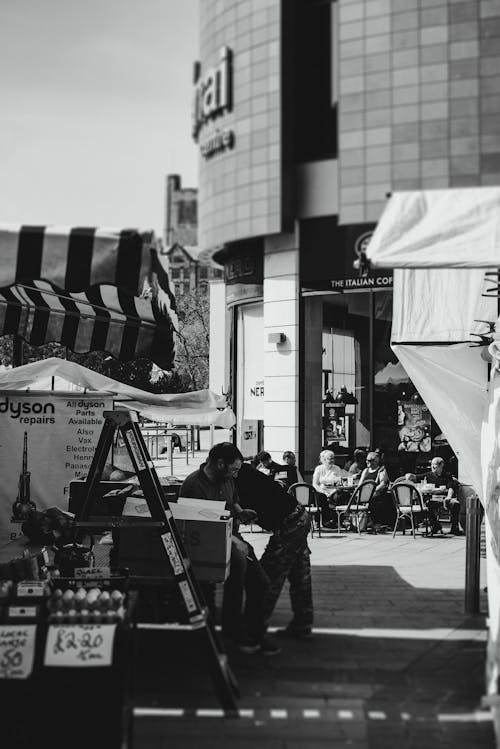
(368, 400)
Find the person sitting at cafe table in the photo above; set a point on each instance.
(358, 463)
(381, 512)
(265, 464)
(293, 473)
(326, 480)
(442, 478)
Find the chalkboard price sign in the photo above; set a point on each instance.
(17, 649)
(79, 645)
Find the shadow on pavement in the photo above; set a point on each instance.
(390, 665)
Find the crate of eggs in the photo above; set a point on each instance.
(87, 603)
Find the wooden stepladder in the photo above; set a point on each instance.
(169, 540)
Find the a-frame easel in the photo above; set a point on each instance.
(168, 539)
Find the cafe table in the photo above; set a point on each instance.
(433, 496)
(431, 491)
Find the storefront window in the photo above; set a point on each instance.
(368, 398)
(345, 372)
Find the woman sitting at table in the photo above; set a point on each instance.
(327, 478)
(439, 477)
(380, 509)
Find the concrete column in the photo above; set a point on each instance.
(313, 386)
(281, 360)
(218, 377)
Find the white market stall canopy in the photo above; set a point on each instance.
(443, 242)
(440, 243)
(457, 228)
(202, 407)
(88, 289)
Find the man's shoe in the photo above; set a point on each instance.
(267, 646)
(249, 647)
(290, 633)
(330, 525)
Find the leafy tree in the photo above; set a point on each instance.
(191, 361)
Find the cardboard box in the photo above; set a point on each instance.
(206, 538)
(109, 505)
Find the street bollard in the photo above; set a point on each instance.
(472, 554)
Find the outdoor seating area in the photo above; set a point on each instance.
(419, 507)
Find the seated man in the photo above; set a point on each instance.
(266, 465)
(247, 584)
(439, 477)
(381, 508)
(358, 463)
(293, 473)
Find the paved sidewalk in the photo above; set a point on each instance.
(394, 661)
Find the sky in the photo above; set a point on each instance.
(95, 109)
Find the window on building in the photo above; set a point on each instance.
(187, 211)
(203, 271)
(177, 257)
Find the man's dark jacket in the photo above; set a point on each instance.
(264, 495)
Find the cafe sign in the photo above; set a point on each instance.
(328, 255)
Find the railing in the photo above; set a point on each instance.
(161, 441)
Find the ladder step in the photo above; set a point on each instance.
(118, 522)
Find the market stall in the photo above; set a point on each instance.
(84, 613)
(69, 613)
(445, 247)
(51, 435)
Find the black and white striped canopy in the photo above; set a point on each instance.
(80, 287)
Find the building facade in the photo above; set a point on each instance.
(189, 267)
(307, 114)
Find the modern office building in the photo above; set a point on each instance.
(308, 113)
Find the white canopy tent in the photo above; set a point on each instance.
(443, 241)
(202, 407)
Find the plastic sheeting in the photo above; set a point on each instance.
(202, 407)
(490, 459)
(452, 380)
(432, 307)
(457, 228)
(452, 229)
(440, 305)
(188, 416)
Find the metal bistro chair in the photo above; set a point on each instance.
(408, 502)
(358, 503)
(305, 495)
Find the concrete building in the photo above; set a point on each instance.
(307, 114)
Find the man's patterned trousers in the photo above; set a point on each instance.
(286, 556)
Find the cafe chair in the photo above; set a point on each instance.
(357, 505)
(305, 495)
(408, 504)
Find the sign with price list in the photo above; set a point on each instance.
(17, 650)
(79, 645)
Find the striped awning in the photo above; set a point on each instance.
(88, 289)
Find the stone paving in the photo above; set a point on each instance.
(394, 661)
